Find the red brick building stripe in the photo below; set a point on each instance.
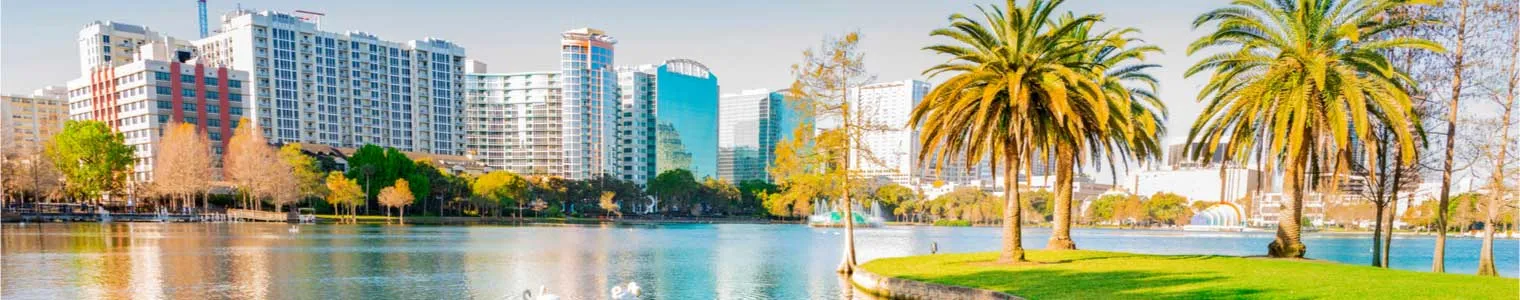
(225, 103)
(177, 112)
(200, 97)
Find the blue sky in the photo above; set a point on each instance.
(747, 44)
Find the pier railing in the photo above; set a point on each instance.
(256, 215)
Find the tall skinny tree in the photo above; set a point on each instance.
(825, 79)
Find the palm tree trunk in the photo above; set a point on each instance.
(1388, 227)
(402, 212)
(1287, 244)
(1013, 246)
(1060, 235)
(1377, 235)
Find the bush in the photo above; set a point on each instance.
(952, 223)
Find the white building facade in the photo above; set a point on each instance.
(589, 86)
(343, 89)
(513, 121)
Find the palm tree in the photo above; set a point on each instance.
(1016, 79)
(1300, 73)
(1129, 95)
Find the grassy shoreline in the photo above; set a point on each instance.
(1107, 275)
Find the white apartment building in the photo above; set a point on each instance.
(343, 89)
(111, 44)
(589, 85)
(513, 121)
(636, 144)
(139, 99)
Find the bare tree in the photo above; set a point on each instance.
(1499, 198)
(182, 166)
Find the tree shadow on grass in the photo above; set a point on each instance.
(1066, 284)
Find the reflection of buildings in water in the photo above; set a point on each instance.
(147, 270)
(250, 257)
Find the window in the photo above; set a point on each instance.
(190, 120)
(165, 105)
(187, 92)
(188, 107)
(187, 78)
(234, 83)
(235, 110)
(160, 76)
(213, 95)
(211, 81)
(213, 109)
(216, 123)
(162, 90)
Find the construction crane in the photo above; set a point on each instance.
(202, 4)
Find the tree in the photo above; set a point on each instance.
(93, 159)
(505, 189)
(343, 191)
(752, 194)
(247, 163)
(824, 80)
(308, 177)
(608, 205)
(893, 196)
(721, 194)
(182, 167)
(1496, 203)
(1309, 95)
(674, 188)
(367, 165)
(27, 174)
(1168, 208)
(397, 196)
(1019, 86)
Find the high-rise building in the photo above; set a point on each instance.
(750, 123)
(111, 44)
(513, 121)
(139, 99)
(343, 89)
(678, 100)
(636, 126)
(589, 87)
(29, 121)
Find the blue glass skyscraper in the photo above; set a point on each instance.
(682, 97)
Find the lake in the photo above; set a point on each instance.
(677, 261)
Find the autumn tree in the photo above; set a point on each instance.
(308, 176)
(182, 166)
(248, 161)
(93, 159)
(25, 173)
(608, 205)
(343, 192)
(825, 79)
(397, 196)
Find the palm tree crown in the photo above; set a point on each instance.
(1305, 77)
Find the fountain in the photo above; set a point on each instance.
(831, 216)
(1218, 217)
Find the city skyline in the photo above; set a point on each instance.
(752, 44)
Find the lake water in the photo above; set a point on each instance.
(684, 261)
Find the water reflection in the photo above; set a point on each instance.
(266, 261)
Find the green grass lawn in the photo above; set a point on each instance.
(1110, 275)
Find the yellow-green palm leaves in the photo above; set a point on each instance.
(1300, 81)
(1018, 82)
